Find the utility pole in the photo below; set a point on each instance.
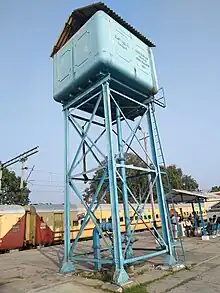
(20, 158)
(149, 178)
(23, 160)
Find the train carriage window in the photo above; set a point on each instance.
(157, 216)
(149, 217)
(121, 219)
(75, 223)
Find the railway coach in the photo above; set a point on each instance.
(43, 224)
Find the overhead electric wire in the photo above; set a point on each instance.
(49, 185)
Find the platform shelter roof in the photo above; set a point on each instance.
(185, 196)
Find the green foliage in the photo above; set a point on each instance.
(137, 184)
(175, 176)
(141, 288)
(215, 188)
(11, 192)
(137, 180)
(178, 180)
(189, 183)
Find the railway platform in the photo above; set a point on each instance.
(36, 270)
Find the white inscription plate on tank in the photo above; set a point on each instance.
(142, 59)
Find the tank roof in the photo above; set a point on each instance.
(11, 209)
(81, 15)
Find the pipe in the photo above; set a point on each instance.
(96, 247)
(106, 227)
(146, 256)
(129, 252)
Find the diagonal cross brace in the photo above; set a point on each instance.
(85, 134)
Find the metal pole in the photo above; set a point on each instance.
(22, 173)
(97, 247)
(160, 192)
(84, 157)
(129, 252)
(120, 275)
(150, 183)
(195, 220)
(67, 265)
(201, 216)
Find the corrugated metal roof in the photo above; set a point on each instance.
(81, 15)
(189, 196)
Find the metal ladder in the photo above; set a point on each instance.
(179, 256)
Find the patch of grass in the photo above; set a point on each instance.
(190, 267)
(141, 288)
(102, 276)
(3, 283)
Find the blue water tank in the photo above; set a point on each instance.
(102, 44)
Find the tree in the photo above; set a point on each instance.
(138, 183)
(189, 183)
(215, 188)
(136, 180)
(175, 177)
(178, 180)
(11, 192)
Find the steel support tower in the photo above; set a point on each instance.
(111, 109)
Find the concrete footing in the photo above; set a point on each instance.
(67, 267)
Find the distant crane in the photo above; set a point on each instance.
(22, 158)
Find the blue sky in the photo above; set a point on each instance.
(187, 59)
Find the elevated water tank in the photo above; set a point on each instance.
(103, 45)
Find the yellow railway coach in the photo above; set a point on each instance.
(43, 224)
